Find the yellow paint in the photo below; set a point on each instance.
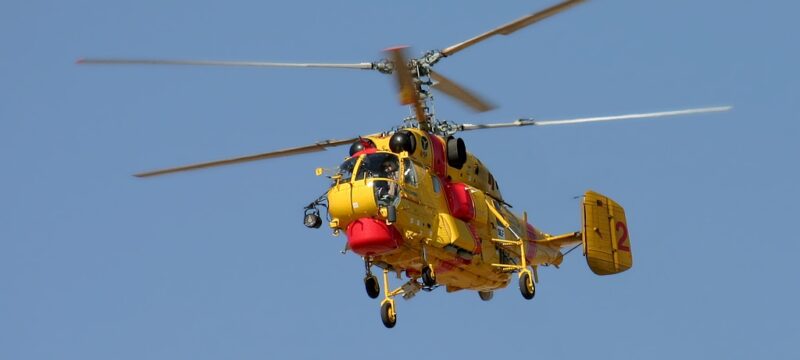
(504, 246)
(605, 237)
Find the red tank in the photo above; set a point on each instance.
(460, 201)
(367, 236)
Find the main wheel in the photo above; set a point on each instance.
(388, 315)
(372, 286)
(428, 276)
(486, 295)
(526, 286)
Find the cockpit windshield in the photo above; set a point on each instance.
(345, 170)
(380, 165)
(377, 165)
(378, 172)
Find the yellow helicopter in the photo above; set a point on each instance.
(415, 203)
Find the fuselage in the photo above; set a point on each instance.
(413, 198)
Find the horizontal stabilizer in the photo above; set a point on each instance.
(563, 240)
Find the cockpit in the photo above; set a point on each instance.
(368, 166)
(379, 171)
(371, 186)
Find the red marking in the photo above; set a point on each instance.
(476, 238)
(621, 242)
(531, 232)
(530, 254)
(366, 142)
(445, 266)
(369, 147)
(398, 47)
(439, 161)
(532, 249)
(367, 236)
(370, 150)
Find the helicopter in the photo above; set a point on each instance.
(414, 203)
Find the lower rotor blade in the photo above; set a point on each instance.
(531, 122)
(409, 94)
(319, 146)
(405, 83)
(90, 61)
(460, 93)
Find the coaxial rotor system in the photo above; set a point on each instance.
(415, 79)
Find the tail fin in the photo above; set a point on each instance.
(606, 242)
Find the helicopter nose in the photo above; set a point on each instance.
(368, 236)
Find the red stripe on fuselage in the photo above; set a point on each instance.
(439, 161)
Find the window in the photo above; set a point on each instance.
(409, 173)
(436, 184)
(380, 165)
(345, 170)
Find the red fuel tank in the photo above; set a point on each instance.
(367, 236)
(460, 201)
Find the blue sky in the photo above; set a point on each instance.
(96, 264)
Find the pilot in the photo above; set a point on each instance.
(389, 168)
(387, 190)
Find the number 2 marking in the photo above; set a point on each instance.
(621, 242)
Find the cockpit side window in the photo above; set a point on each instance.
(409, 173)
(436, 184)
(345, 170)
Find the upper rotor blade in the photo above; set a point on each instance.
(460, 93)
(531, 122)
(364, 66)
(319, 146)
(409, 94)
(513, 26)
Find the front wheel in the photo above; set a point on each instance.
(388, 315)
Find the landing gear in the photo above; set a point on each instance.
(372, 286)
(428, 276)
(486, 295)
(408, 290)
(370, 281)
(526, 286)
(388, 315)
(526, 283)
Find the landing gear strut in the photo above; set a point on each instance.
(371, 282)
(388, 313)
